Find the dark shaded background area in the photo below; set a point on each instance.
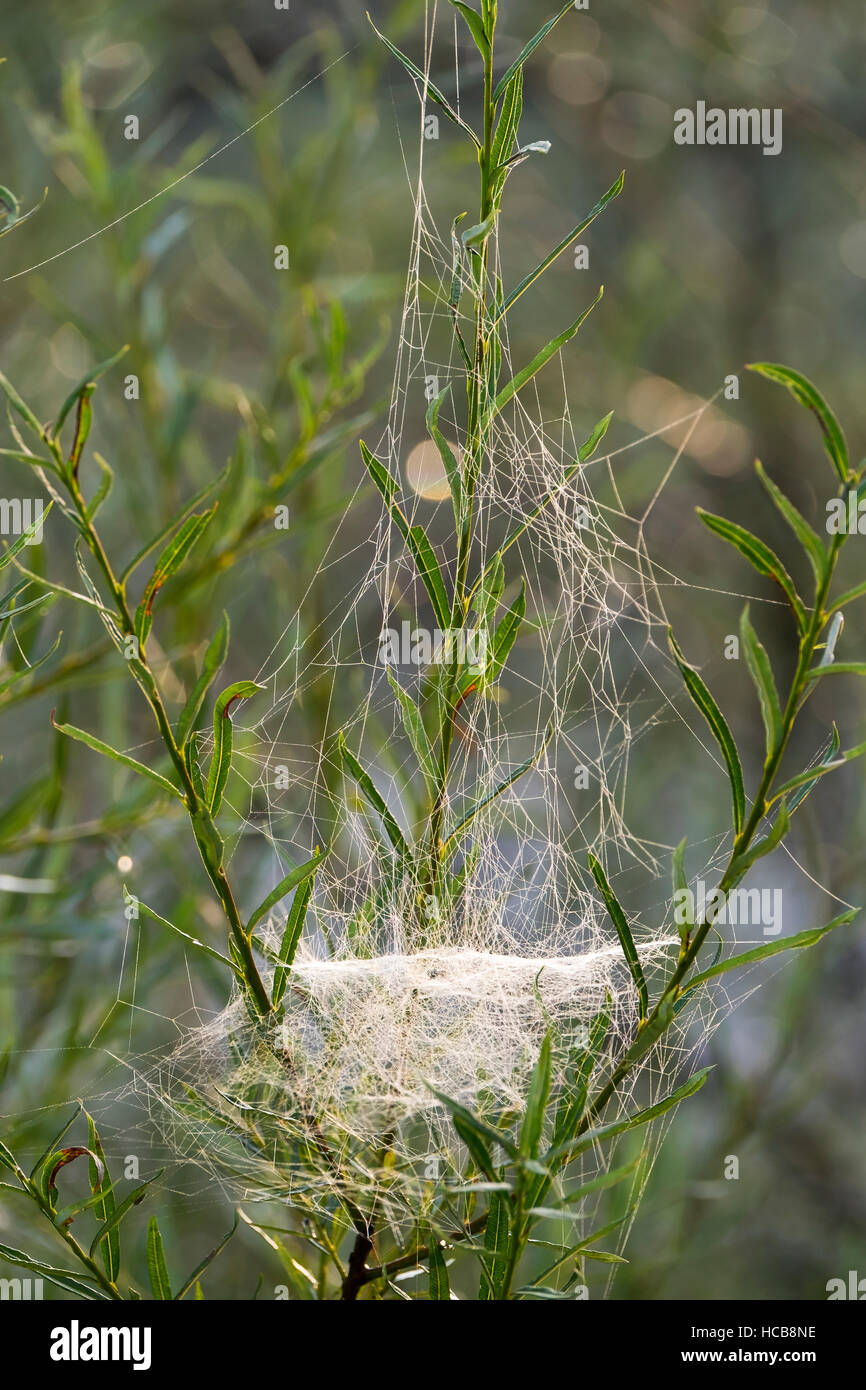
(711, 258)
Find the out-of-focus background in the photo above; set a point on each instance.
(711, 258)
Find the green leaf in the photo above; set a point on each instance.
(541, 358)
(392, 829)
(503, 787)
(34, 666)
(802, 940)
(291, 937)
(99, 747)
(52, 1148)
(529, 49)
(285, 886)
(176, 520)
(214, 660)
(474, 1123)
(761, 672)
(506, 635)
(429, 88)
(104, 489)
(10, 551)
(156, 1267)
(496, 1233)
(604, 1180)
(840, 668)
(509, 121)
(208, 1260)
(65, 1279)
(87, 381)
(188, 940)
(438, 1286)
(530, 279)
(809, 539)
(221, 760)
(623, 932)
(760, 556)
(120, 1211)
(716, 720)
(536, 1102)
(680, 882)
(27, 416)
(449, 462)
(415, 538)
(573, 1099)
(743, 862)
(475, 25)
(602, 1133)
(809, 396)
(414, 726)
(168, 564)
(803, 783)
(107, 1205)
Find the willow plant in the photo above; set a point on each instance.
(516, 1168)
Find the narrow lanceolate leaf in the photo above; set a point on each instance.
(839, 668)
(22, 409)
(506, 635)
(782, 824)
(191, 941)
(760, 556)
(414, 726)
(623, 931)
(206, 1263)
(475, 26)
(161, 536)
(168, 564)
(156, 1266)
(536, 1103)
(99, 747)
(488, 1134)
(573, 1100)
(530, 279)
(602, 1133)
(437, 1270)
(284, 887)
(542, 358)
(680, 884)
(449, 462)
(809, 539)
(771, 948)
(761, 672)
(803, 783)
(364, 781)
(132, 1200)
(26, 537)
(214, 659)
(291, 937)
(529, 49)
(221, 760)
(428, 88)
(106, 1206)
(87, 381)
(509, 120)
(722, 734)
(501, 789)
(495, 1260)
(65, 1279)
(415, 538)
(809, 396)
